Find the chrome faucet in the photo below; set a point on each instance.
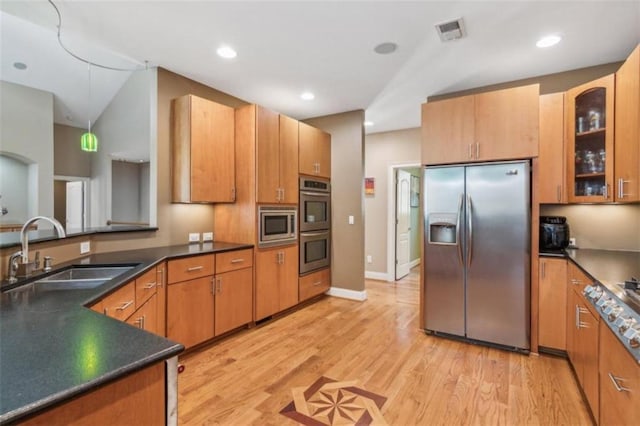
(25, 267)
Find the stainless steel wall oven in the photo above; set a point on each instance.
(315, 224)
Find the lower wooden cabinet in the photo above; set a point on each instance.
(146, 317)
(161, 291)
(276, 280)
(138, 399)
(233, 300)
(552, 306)
(314, 284)
(619, 382)
(190, 311)
(582, 346)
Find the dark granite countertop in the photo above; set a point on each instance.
(12, 239)
(609, 267)
(53, 348)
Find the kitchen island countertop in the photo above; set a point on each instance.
(53, 347)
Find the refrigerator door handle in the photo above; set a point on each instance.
(469, 230)
(458, 242)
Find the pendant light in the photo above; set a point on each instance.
(89, 141)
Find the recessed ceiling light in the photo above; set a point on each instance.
(385, 48)
(307, 96)
(549, 41)
(226, 52)
(20, 66)
(368, 123)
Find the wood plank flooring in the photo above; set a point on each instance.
(248, 378)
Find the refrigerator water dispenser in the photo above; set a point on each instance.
(442, 228)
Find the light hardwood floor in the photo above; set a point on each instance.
(248, 378)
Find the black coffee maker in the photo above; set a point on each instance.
(554, 234)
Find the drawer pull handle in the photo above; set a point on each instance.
(576, 282)
(149, 286)
(195, 268)
(237, 261)
(124, 306)
(619, 388)
(317, 283)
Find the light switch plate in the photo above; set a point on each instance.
(351, 220)
(207, 236)
(194, 237)
(85, 247)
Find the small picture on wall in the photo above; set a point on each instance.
(415, 191)
(369, 186)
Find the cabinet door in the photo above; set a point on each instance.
(146, 286)
(506, 123)
(234, 300)
(572, 329)
(588, 348)
(448, 131)
(190, 311)
(314, 284)
(203, 151)
(267, 270)
(314, 151)
(288, 282)
(619, 401)
(589, 121)
(551, 150)
(289, 160)
(146, 317)
(627, 130)
(267, 155)
(552, 309)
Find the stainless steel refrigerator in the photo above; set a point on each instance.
(477, 252)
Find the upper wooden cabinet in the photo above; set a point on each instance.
(315, 151)
(276, 157)
(589, 122)
(551, 179)
(627, 130)
(498, 125)
(203, 153)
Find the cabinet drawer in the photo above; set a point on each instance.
(314, 284)
(146, 285)
(122, 303)
(189, 268)
(234, 260)
(145, 317)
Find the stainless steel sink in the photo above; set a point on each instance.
(78, 278)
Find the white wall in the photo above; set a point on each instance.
(383, 151)
(126, 129)
(26, 132)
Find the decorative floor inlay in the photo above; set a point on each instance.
(329, 402)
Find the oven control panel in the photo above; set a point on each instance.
(620, 317)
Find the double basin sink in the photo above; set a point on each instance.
(79, 278)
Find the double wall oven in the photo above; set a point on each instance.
(315, 224)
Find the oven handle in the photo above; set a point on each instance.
(314, 234)
(316, 194)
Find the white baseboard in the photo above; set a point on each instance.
(347, 294)
(414, 263)
(380, 276)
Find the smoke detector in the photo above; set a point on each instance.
(452, 30)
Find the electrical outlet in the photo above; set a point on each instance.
(207, 236)
(572, 242)
(194, 237)
(369, 259)
(85, 247)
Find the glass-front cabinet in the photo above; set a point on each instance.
(590, 122)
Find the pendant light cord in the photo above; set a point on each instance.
(85, 60)
(89, 103)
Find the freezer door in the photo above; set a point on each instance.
(443, 248)
(498, 253)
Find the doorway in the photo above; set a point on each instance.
(70, 201)
(403, 244)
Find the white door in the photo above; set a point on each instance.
(75, 205)
(403, 223)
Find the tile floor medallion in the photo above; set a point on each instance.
(329, 402)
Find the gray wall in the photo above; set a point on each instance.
(26, 132)
(347, 172)
(14, 177)
(128, 191)
(384, 150)
(68, 158)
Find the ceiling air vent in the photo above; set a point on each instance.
(451, 30)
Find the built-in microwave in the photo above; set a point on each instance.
(277, 225)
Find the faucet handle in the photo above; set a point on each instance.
(47, 263)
